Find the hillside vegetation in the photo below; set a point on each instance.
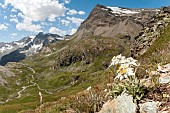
(75, 75)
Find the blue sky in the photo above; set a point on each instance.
(20, 18)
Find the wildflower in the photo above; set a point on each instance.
(122, 60)
(122, 69)
(126, 68)
(124, 72)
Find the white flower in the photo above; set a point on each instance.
(119, 76)
(130, 72)
(126, 68)
(124, 72)
(122, 60)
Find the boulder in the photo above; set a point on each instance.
(122, 104)
(149, 107)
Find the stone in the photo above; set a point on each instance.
(122, 104)
(164, 80)
(148, 107)
(167, 67)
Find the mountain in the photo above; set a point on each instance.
(63, 70)
(109, 21)
(18, 50)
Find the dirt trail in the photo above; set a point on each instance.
(19, 93)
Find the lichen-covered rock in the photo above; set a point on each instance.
(149, 107)
(164, 72)
(122, 104)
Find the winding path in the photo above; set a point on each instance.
(19, 93)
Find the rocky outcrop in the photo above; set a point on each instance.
(149, 107)
(151, 32)
(122, 104)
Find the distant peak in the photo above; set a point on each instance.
(40, 33)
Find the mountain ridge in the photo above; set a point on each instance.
(18, 50)
(102, 21)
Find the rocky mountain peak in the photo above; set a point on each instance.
(109, 21)
(28, 46)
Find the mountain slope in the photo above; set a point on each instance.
(64, 68)
(16, 51)
(112, 21)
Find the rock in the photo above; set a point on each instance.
(149, 107)
(164, 69)
(152, 31)
(164, 72)
(164, 80)
(165, 9)
(165, 112)
(122, 104)
(167, 67)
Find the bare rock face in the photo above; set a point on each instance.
(122, 104)
(114, 21)
(151, 32)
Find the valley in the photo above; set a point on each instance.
(74, 75)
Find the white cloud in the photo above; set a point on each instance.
(74, 12)
(72, 31)
(13, 34)
(20, 15)
(5, 17)
(13, 16)
(65, 22)
(29, 27)
(45, 24)
(3, 27)
(82, 13)
(74, 20)
(38, 10)
(55, 30)
(67, 1)
(14, 20)
(3, 6)
(13, 10)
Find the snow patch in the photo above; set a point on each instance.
(37, 47)
(6, 48)
(32, 37)
(121, 10)
(20, 44)
(60, 38)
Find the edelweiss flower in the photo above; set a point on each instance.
(126, 66)
(122, 60)
(124, 72)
